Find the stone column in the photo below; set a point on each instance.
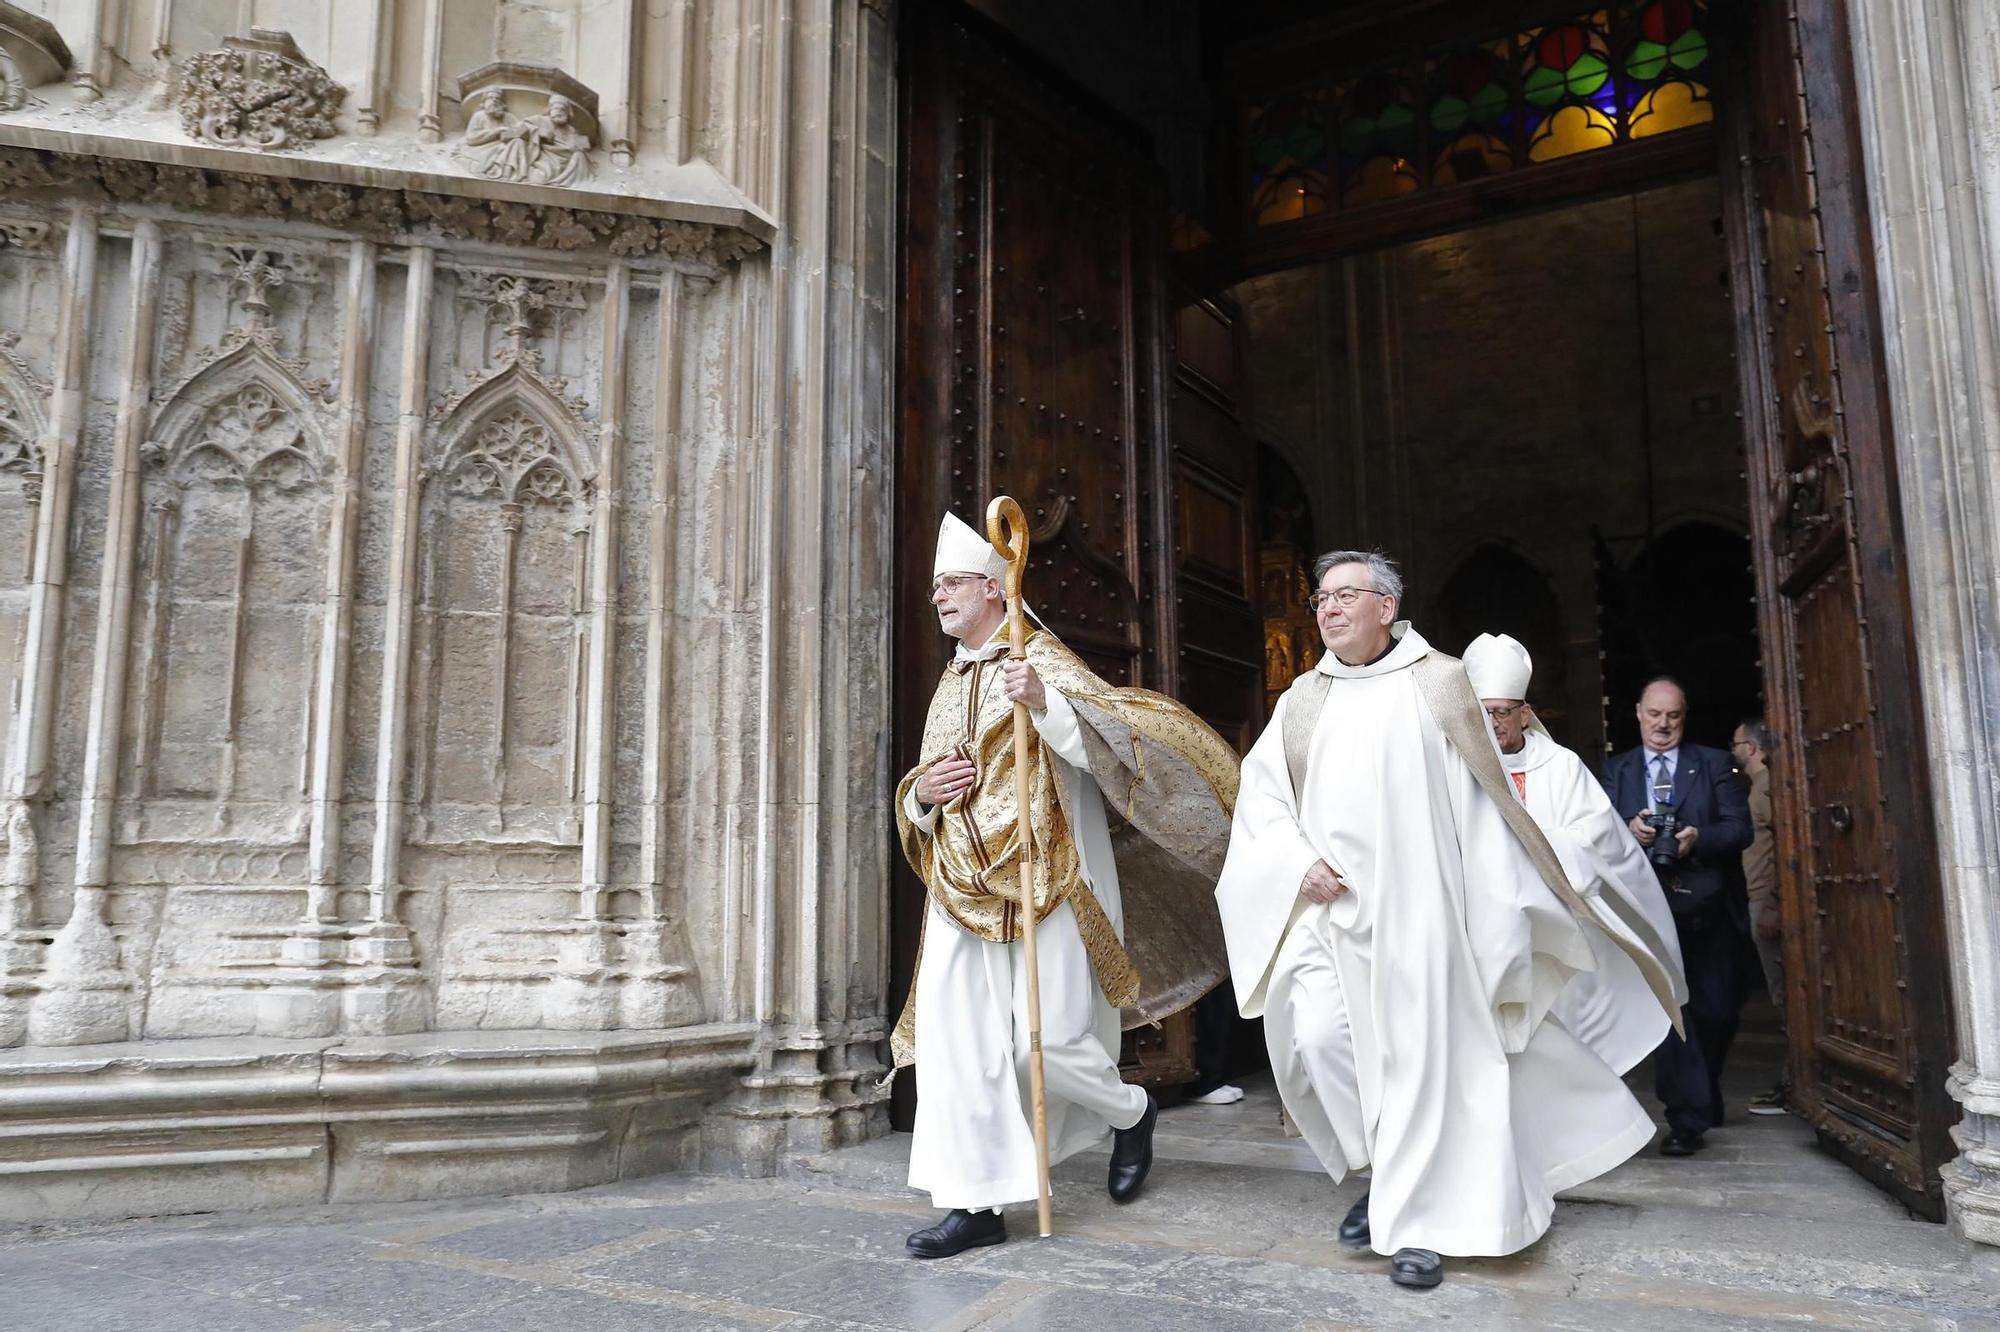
(392, 997)
(83, 997)
(583, 993)
(28, 780)
(1928, 77)
(821, 568)
(658, 990)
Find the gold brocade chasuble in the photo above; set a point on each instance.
(1169, 786)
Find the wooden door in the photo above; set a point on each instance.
(1034, 362)
(1868, 1004)
(1216, 560)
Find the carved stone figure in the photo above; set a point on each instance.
(31, 53)
(548, 149)
(258, 92)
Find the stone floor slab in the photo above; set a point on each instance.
(899, 1293)
(1761, 1232)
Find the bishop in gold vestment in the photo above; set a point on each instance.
(1105, 756)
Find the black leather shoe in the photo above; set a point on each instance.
(1681, 1144)
(1354, 1228)
(960, 1230)
(1420, 1269)
(1132, 1154)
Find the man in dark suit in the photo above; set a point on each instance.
(1702, 875)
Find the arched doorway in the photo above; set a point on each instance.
(1495, 591)
(1686, 607)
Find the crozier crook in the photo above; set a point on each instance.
(1007, 529)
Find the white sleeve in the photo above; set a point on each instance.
(923, 818)
(1060, 730)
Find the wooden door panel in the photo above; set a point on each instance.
(1031, 363)
(1220, 630)
(1868, 1012)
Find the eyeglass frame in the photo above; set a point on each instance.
(1504, 713)
(952, 582)
(1333, 594)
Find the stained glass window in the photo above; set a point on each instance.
(1605, 77)
(1378, 139)
(1290, 159)
(1469, 114)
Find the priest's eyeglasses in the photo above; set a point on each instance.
(1502, 714)
(953, 582)
(1343, 597)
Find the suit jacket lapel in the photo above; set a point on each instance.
(1684, 773)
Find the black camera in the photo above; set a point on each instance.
(1665, 821)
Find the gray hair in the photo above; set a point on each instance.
(1383, 575)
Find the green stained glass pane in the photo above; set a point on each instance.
(1543, 86)
(1646, 61)
(1357, 135)
(1587, 75)
(1397, 123)
(1488, 102)
(1449, 114)
(1689, 49)
(1305, 142)
(1270, 151)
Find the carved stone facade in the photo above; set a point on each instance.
(32, 53)
(257, 92)
(441, 597)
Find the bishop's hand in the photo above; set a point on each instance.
(1023, 685)
(946, 780)
(1321, 884)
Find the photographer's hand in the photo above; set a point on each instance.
(1643, 830)
(1684, 841)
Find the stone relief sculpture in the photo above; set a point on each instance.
(17, 447)
(381, 212)
(552, 148)
(31, 53)
(23, 234)
(547, 149)
(258, 92)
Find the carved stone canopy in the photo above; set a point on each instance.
(32, 53)
(258, 92)
(538, 82)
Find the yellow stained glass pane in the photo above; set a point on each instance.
(1572, 129)
(1381, 178)
(1671, 106)
(1291, 197)
(1470, 157)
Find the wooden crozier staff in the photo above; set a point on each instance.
(1007, 529)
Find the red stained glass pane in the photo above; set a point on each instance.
(1559, 47)
(1664, 20)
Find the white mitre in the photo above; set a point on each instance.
(962, 550)
(1499, 666)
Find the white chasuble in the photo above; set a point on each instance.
(1407, 1021)
(1609, 1009)
(973, 1143)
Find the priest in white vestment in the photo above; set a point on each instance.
(1404, 930)
(965, 1027)
(1607, 1009)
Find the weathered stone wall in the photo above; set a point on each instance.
(1517, 384)
(442, 558)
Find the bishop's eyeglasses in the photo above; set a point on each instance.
(1343, 597)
